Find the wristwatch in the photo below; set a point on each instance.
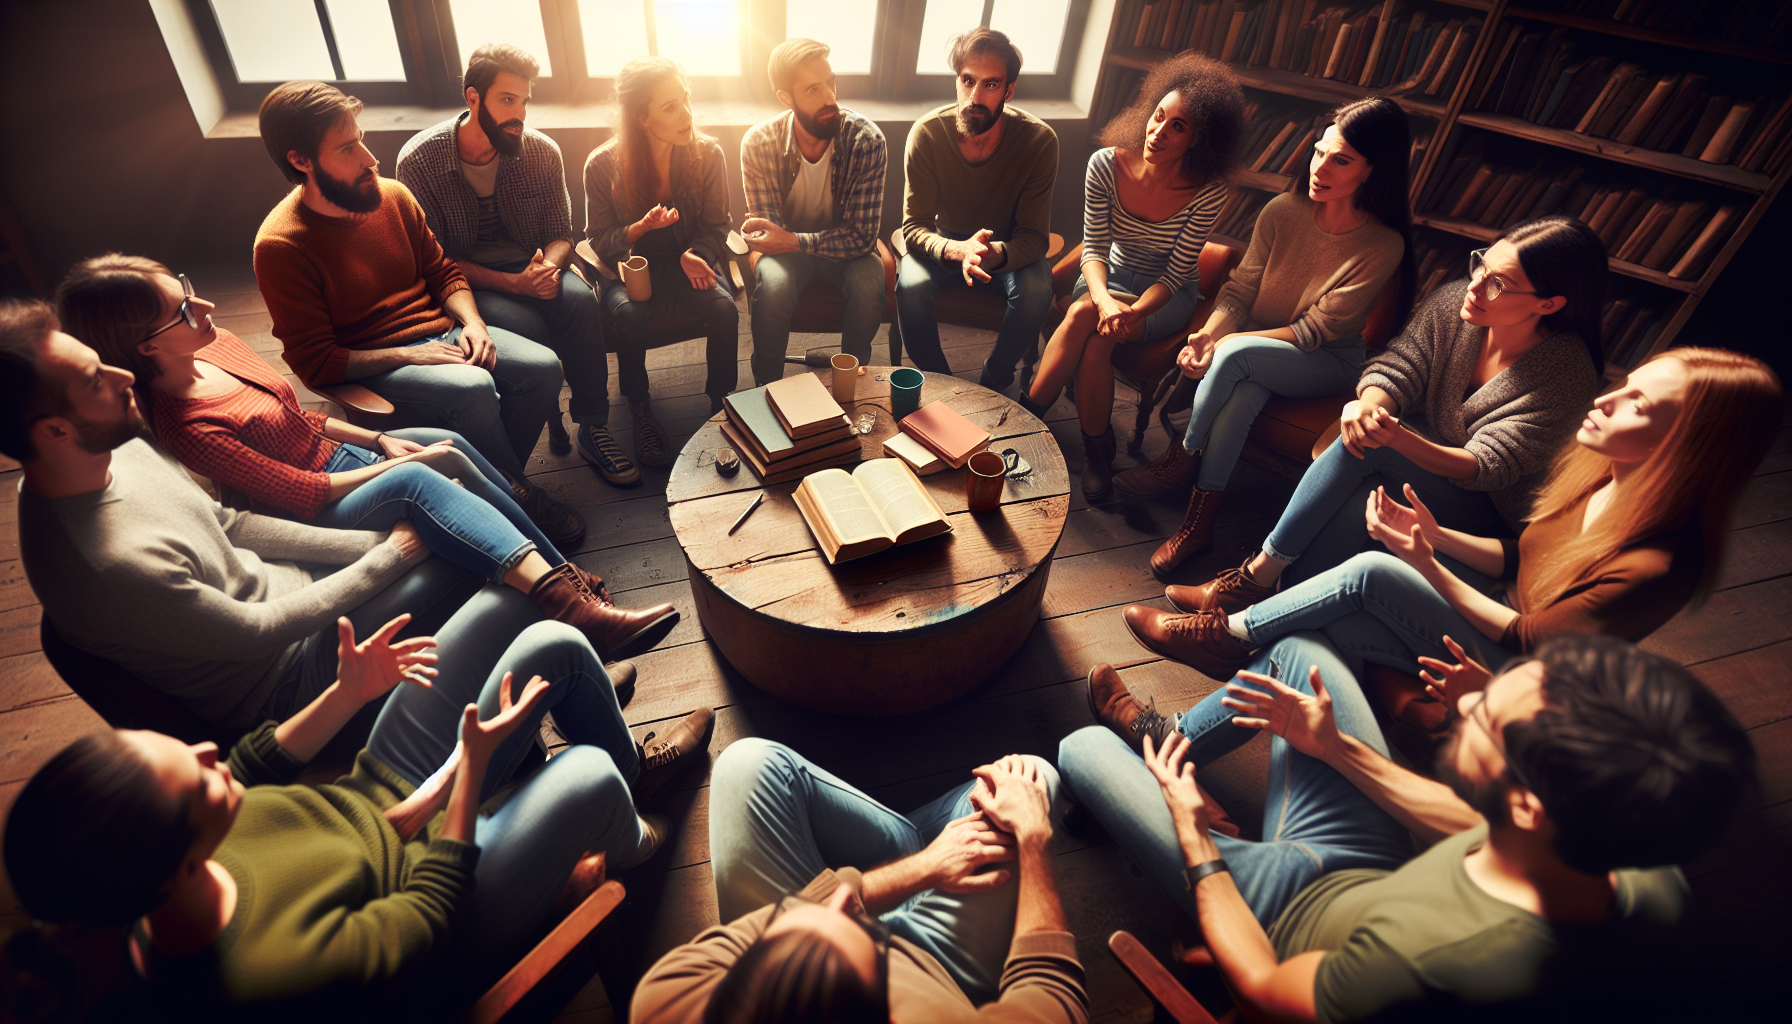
(1192, 876)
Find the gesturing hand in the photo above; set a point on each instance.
(1453, 682)
(370, 668)
(765, 236)
(1306, 722)
(967, 845)
(540, 278)
(697, 271)
(1363, 426)
(1405, 531)
(660, 216)
(1012, 794)
(1176, 779)
(481, 739)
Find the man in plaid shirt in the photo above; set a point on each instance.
(815, 194)
(494, 193)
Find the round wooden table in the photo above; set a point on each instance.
(898, 631)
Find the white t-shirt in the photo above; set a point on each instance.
(810, 205)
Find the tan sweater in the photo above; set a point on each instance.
(1042, 981)
(1297, 275)
(1010, 193)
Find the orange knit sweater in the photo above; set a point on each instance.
(335, 284)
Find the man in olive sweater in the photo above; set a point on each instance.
(976, 209)
(136, 564)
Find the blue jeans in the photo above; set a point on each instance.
(781, 279)
(1314, 822)
(501, 410)
(776, 821)
(1377, 608)
(1323, 524)
(633, 324)
(474, 524)
(569, 323)
(1170, 318)
(1244, 374)
(578, 803)
(1028, 291)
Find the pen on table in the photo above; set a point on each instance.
(757, 498)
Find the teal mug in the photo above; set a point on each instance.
(905, 390)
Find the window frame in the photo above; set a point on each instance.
(908, 84)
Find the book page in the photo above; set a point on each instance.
(848, 507)
(898, 495)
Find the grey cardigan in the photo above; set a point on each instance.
(699, 194)
(1514, 425)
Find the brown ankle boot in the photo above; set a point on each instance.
(1194, 536)
(1114, 706)
(1231, 591)
(1098, 467)
(1172, 474)
(564, 596)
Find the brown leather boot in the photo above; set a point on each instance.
(1231, 591)
(1098, 467)
(1172, 474)
(1200, 640)
(564, 596)
(1194, 536)
(664, 758)
(1115, 707)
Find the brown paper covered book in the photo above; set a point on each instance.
(944, 432)
(804, 406)
(879, 505)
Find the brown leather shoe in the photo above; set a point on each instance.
(562, 595)
(1199, 640)
(1172, 474)
(1194, 536)
(1231, 592)
(1115, 707)
(664, 758)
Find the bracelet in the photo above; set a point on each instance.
(1192, 876)
(376, 437)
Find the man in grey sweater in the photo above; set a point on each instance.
(135, 563)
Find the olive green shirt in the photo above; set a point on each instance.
(1426, 943)
(944, 197)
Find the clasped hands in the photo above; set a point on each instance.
(1013, 807)
(1197, 354)
(540, 278)
(1364, 425)
(977, 256)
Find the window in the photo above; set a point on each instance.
(849, 29)
(517, 22)
(1035, 27)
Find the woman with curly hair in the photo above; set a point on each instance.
(658, 189)
(1149, 201)
(1290, 320)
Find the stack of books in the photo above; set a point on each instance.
(1543, 78)
(943, 433)
(789, 428)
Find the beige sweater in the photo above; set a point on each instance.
(1042, 981)
(1297, 275)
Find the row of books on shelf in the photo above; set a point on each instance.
(1543, 78)
(1376, 47)
(1652, 228)
(1753, 22)
(1279, 139)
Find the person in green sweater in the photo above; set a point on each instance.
(251, 896)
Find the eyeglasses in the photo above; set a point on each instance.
(875, 930)
(187, 316)
(1496, 285)
(1484, 721)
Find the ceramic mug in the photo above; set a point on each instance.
(905, 390)
(636, 279)
(846, 377)
(984, 476)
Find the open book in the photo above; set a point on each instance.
(879, 505)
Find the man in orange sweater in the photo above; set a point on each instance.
(360, 290)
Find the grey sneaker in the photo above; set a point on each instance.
(651, 448)
(602, 451)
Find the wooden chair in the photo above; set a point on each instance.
(547, 955)
(362, 407)
(979, 308)
(1163, 988)
(123, 700)
(1145, 366)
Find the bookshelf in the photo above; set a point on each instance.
(1626, 190)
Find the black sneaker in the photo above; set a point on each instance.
(561, 523)
(665, 758)
(651, 448)
(602, 451)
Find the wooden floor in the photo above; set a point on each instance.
(1740, 642)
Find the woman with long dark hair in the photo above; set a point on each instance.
(658, 189)
(1290, 320)
(1468, 405)
(1149, 201)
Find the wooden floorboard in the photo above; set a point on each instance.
(1739, 642)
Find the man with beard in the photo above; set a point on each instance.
(815, 194)
(136, 564)
(1575, 781)
(494, 193)
(360, 290)
(976, 209)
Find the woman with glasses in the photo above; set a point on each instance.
(228, 416)
(1468, 405)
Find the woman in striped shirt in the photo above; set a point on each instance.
(1149, 201)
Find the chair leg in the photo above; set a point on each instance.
(559, 443)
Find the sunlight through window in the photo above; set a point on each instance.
(274, 40)
(701, 35)
(849, 29)
(1036, 28)
(366, 40)
(517, 22)
(944, 20)
(615, 33)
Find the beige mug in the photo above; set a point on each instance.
(846, 377)
(635, 279)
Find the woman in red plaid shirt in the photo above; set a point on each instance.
(227, 415)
